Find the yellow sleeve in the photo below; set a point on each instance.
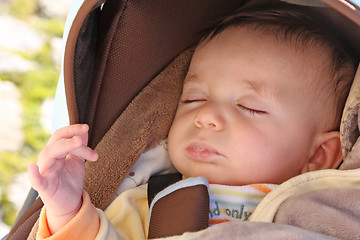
(126, 218)
(85, 225)
(129, 214)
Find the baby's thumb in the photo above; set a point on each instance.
(35, 177)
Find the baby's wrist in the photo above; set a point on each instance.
(57, 221)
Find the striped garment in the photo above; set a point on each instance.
(229, 203)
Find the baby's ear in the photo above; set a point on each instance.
(328, 153)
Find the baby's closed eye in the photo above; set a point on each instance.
(251, 110)
(192, 100)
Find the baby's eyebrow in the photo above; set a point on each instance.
(193, 78)
(257, 86)
(262, 88)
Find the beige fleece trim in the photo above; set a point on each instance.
(349, 121)
(307, 182)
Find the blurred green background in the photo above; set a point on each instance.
(35, 83)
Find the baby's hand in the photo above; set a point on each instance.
(59, 173)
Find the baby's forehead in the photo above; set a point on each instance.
(302, 51)
(297, 38)
(309, 62)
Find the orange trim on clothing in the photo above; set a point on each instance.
(262, 188)
(85, 225)
(216, 221)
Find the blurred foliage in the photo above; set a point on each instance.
(35, 86)
(9, 213)
(23, 8)
(11, 164)
(52, 26)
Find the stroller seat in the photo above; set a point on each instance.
(123, 67)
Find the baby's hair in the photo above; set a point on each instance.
(295, 25)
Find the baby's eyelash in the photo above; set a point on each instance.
(251, 111)
(186, 101)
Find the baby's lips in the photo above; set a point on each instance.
(202, 152)
(199, 146)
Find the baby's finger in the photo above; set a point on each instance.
(85, 136)
(60, 149)
(35, 178)
(86, 153)
(69, 132)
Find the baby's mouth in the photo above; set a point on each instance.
(202, 152)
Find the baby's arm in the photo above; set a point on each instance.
(59, 174)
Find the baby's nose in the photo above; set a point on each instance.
(210, 116)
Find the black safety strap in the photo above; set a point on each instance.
(158, 183)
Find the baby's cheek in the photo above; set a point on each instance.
(172, 135)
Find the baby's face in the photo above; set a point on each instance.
(246, 112)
